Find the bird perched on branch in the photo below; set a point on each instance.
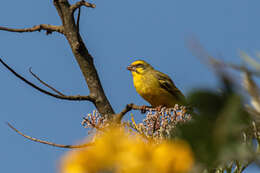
(154, 86)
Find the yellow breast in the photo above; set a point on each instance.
(149, 88)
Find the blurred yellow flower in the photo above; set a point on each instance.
(117, 151)
(172, 157)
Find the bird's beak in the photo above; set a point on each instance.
(130, 68)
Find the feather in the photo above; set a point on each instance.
(167, 84)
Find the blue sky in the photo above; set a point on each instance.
(116, 33)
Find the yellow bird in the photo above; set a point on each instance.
(155, 87)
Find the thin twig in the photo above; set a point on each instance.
(78, 19)
(75, 98)
(128, 108)
(85, 120)
(49, 143)
(198, 50)
(81, 3)
(132, 106)
(118, 117)
(44, 83)
(48, 28)
(146, 108)
(241, 68)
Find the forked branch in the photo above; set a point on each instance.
(64, 97)
(118, 117)
(48, 28)
(70, 30)
(82, 55)
(44, 83)
(49, 143)
(73, 7)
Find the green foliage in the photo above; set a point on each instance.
(215, 131)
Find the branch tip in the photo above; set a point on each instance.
(44, 83)
(81, 3)
(63, 97)
(48, 143)
(48, 28)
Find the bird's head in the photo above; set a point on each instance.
(139, 67)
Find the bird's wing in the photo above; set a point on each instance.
(167, 84)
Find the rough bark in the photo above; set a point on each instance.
(85, 61)
(83, 57)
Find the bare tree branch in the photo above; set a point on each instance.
(44, 83)
(81, 3)
(118, 117)
(198, 50)
(82, 55)
(237, 67)
(77, 98)
(48, 28)
(141, 108)
(49, 143)
(128, 108)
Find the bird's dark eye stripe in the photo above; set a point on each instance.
(139, 65)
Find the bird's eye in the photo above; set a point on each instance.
(139, 66)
